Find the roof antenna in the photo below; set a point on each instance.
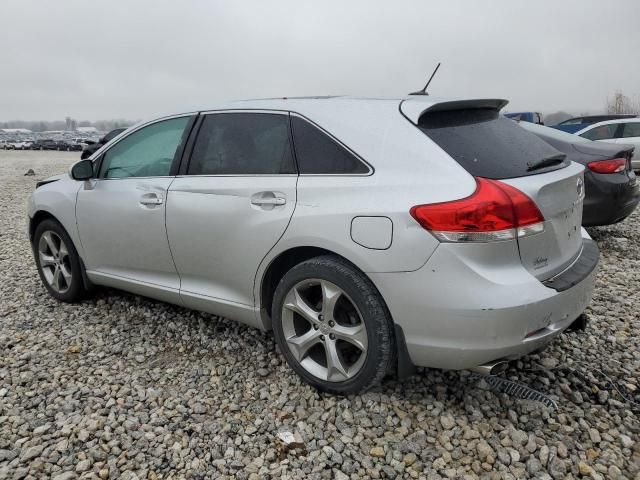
(424, 90)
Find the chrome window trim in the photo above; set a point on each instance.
(245, 110)
(126, 133)
(238, 175)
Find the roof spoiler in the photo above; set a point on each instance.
(413, 110)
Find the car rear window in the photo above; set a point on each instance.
(487, 144)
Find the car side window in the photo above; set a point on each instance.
(239, 143)
(318, 154)
(631, 130)
(148, 152)
(603, 132)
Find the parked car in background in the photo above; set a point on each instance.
(6, 145)
(533, 117)
(94, 147)
(625, 130)
(370, 234)
(572, 125)
(612, 191)
(70, 146)
(45, 144)
(19, 144)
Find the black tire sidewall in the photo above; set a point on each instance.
(380, 339)
(76, 289)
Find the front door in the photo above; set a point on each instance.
(230, 208)
(121, 213)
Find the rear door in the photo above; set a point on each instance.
(489, 145)
(231, 205)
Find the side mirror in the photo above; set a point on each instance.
(83, 170)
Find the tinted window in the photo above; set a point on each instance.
(603, 132)
(487, 144)
(631, 130)
(317, 153)
(242, 144)
(148, 152)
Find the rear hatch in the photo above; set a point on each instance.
(490, 146)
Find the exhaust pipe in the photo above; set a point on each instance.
(579, 323)
(492, 368)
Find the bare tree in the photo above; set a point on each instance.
(620, 103)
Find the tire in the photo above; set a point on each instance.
(67, 288)
(333, 327)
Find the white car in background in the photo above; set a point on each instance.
(623, 130)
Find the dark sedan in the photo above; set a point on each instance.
(45, 144)
(612, 191)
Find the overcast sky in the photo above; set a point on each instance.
(105, 59)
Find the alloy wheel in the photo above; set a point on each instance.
(55, 261)
(324, 330)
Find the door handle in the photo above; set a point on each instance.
(269, 201)
(153, 199)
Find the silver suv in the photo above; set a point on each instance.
(371, 235)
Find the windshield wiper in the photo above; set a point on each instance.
(546, 162)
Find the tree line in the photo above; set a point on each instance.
(67, 124)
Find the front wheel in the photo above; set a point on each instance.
(332, 326)
(58, 261)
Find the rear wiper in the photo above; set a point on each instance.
(546, 162)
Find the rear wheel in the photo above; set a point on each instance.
(58, 261)
(332, 326)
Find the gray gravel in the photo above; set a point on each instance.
(124, 387)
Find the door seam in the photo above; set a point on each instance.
(166, 234)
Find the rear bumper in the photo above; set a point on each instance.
(460, 311)
(609, 198)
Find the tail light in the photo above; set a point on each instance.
(495, 211)
(613, 165)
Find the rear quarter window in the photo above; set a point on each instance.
(319, 154)
(487, 144)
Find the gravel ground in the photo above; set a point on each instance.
(124, 387)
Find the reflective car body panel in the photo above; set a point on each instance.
(206, 240)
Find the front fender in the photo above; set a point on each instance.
(57, 199)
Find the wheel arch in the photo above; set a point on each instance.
(41, 215)
(286, 260)
(38, 217)
(278, 267)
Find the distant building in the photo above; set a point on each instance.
(86, 129)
